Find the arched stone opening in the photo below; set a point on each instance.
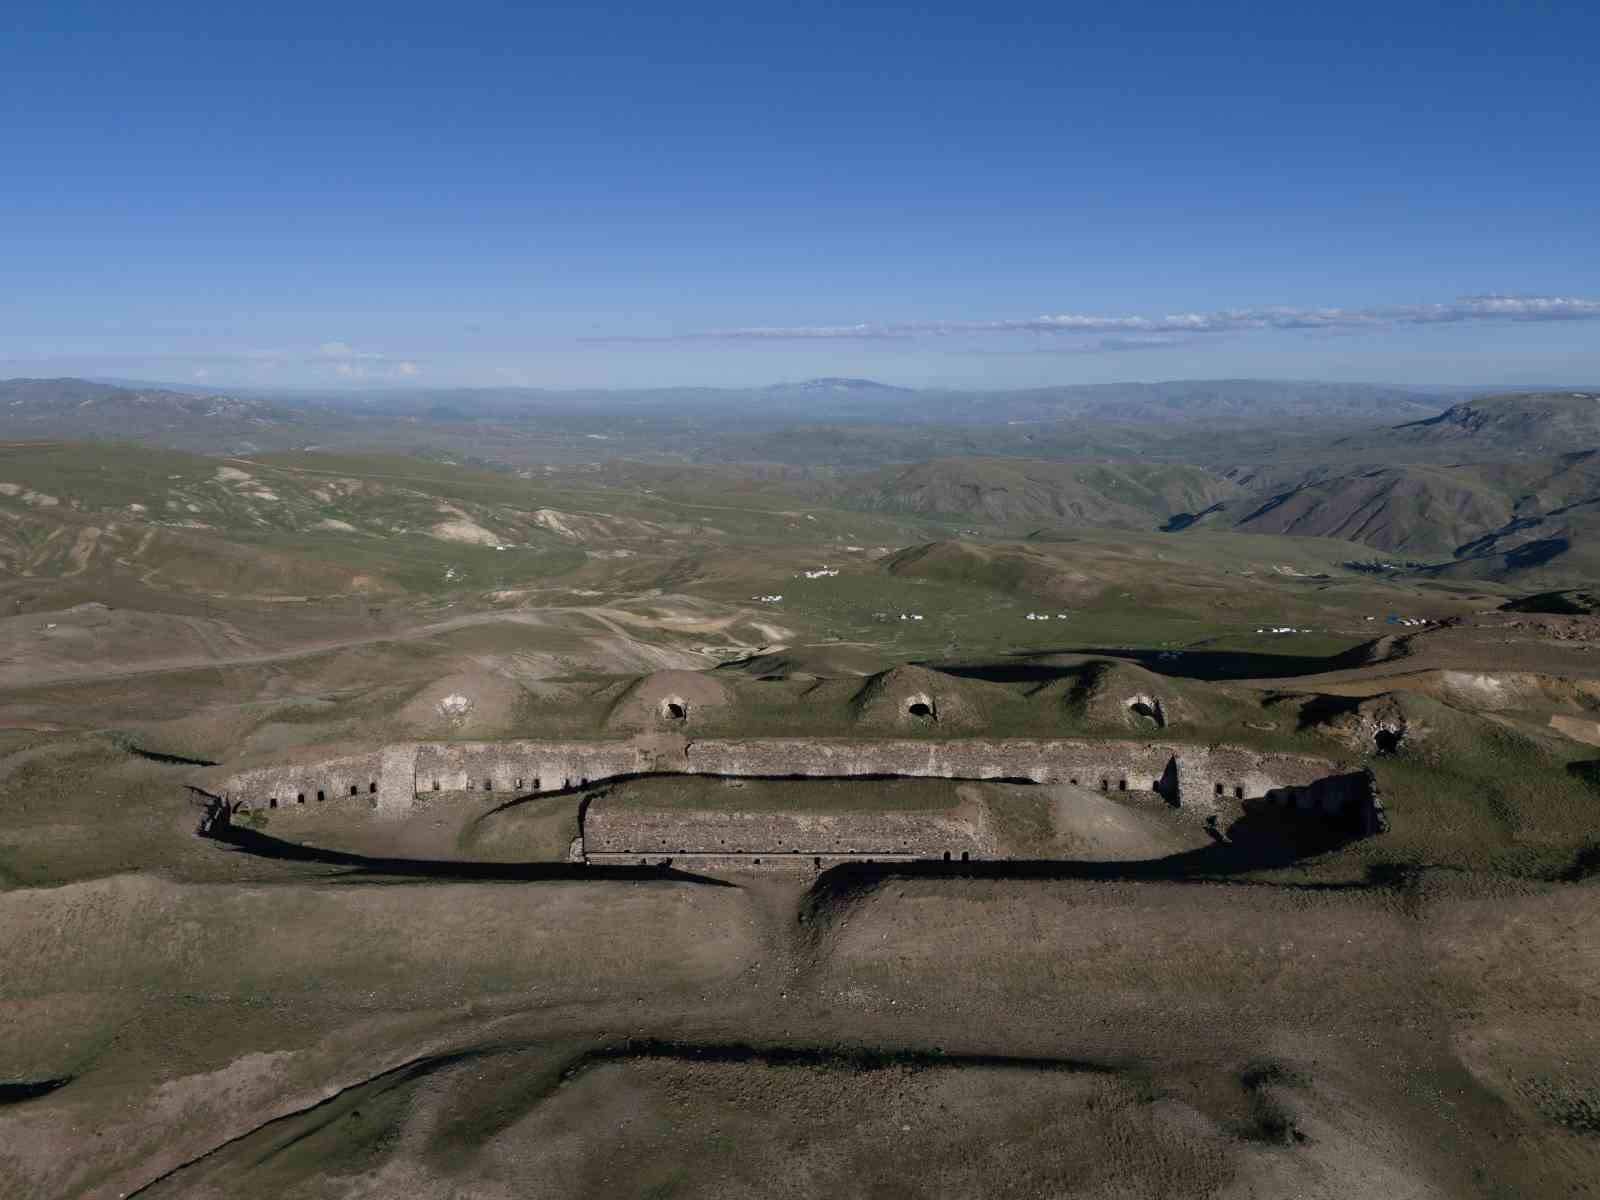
(1387, 741)
(1149, 708)
(921, 707)
(674, 708)
(1167, 786)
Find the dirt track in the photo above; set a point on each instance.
(43, 663)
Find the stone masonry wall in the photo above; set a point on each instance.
(658, 832)
(348, 778)
(1199, 779)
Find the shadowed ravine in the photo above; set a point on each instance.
(362, 866)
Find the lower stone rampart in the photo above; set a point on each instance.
(661, 832)
(790, 863)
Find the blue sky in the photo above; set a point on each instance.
(709, 193)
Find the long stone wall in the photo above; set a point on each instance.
(364, 777)
(1199, 779)
(629, 833)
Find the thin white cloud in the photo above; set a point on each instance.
(1172, 325)
(408, 369)
(344, 352)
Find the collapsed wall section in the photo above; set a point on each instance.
(1350, 799)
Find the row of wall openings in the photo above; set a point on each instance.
(1238, 790)
(488, 784)
(300, 797)
(1105, 785)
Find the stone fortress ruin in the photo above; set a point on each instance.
(1192, 781)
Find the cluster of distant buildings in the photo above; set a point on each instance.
(821, 573)
(1033, 616)
(773, 599)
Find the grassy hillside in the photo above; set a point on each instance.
(1538, 423)
(1004, 491)
(155, 416)
(1492, 519)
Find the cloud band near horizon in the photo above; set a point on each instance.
(1158, 330)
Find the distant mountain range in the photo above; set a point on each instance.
(75, 409)
(1241, 403)
(857, 387)
(1481, 486)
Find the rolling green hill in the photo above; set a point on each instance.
(1128, 495)
(1541, 422)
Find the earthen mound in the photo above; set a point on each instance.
(906, 699)
(1572, 602)
(472, 703)
(1011, 570)
(826, 661)
(1119, 696)
(666, 700)
(1391, 647)
(1376, 725)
